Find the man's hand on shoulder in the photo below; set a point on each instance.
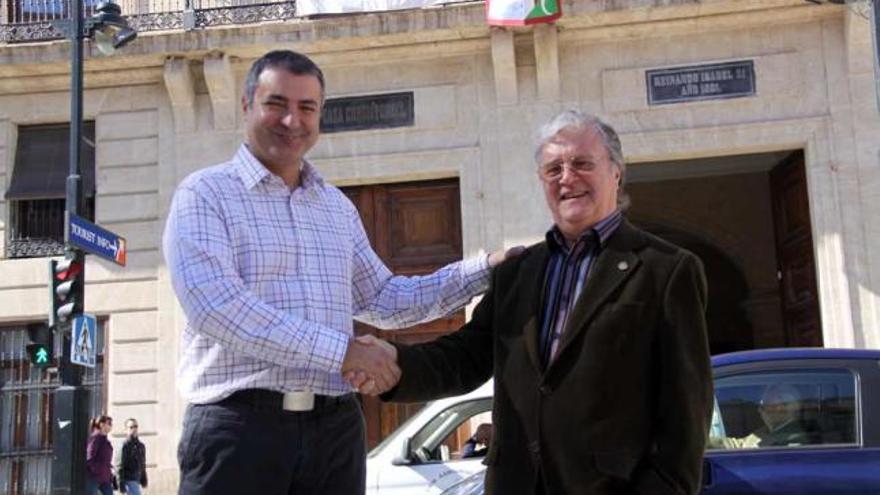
(499, 256)
(370, 365)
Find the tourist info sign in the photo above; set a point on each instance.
(91, 238)
(84, 343)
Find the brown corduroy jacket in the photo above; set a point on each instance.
(625, 406)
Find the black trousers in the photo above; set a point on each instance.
(247, 444)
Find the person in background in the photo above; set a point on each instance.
(131, 463)
(472, 447)
(99, 456)
(780, 410)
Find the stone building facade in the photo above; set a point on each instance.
(701, 171)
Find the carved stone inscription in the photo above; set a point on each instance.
(368, 112)
(701, 82)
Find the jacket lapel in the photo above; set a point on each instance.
(532, 278)
(615, 264)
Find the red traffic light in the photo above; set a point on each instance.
(67, 269)
(66, 288)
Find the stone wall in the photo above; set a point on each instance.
(126, 203)
(169, 105)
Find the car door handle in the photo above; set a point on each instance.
(708, 473)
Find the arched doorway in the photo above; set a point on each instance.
(748, 218)
(729, 324)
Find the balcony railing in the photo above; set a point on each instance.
(37, 227)
(35, 20)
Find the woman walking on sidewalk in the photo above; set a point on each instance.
(99, 457)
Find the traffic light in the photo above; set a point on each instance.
(66, 288)
(40, 349)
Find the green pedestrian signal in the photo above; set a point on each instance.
(40, 349)
(42, 356)
(39, 354)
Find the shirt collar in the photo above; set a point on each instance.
(598, 233)
(309, 176)
(252, 171)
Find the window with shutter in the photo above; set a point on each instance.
(37, 189)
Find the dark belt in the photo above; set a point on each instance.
(260, 398)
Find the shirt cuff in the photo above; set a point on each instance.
(475, 272)
(328, 350)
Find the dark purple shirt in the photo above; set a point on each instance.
(99, 456)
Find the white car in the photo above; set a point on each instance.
(416, 458)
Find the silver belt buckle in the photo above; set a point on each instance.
(303, 400)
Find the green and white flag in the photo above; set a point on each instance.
(522, 12)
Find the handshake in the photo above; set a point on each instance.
(370, 365)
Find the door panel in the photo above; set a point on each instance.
(803, 472)
(794, 249)
(423, 227)
(415, 228)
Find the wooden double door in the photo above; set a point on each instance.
(415, 227)
(799, 292)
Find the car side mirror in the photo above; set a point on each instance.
(405, 457)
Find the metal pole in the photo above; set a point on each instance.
(73, 196)
(875, 21)
(71, 400)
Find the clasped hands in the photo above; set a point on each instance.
(370, 365)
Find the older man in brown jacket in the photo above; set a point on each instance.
(596, 338)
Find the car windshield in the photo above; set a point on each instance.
(441, 425)
(482, 391)
(396, 433)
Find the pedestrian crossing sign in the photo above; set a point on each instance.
(84, 343)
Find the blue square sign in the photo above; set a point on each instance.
(84, 341)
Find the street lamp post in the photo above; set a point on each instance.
(71, 400)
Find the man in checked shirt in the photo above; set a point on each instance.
(270, 265)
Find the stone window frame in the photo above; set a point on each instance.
(36, 211)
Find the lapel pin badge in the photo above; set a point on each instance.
(623, 266)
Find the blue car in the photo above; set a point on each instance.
(788, 421)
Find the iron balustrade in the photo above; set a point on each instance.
(37, 227)
(32, 20)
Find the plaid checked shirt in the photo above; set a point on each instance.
(270, 280)
(566, 274)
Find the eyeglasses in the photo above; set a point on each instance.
(552, 171)
(132, 427)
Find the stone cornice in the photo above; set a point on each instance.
(331, 40)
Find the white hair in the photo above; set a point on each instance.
(610, 139)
